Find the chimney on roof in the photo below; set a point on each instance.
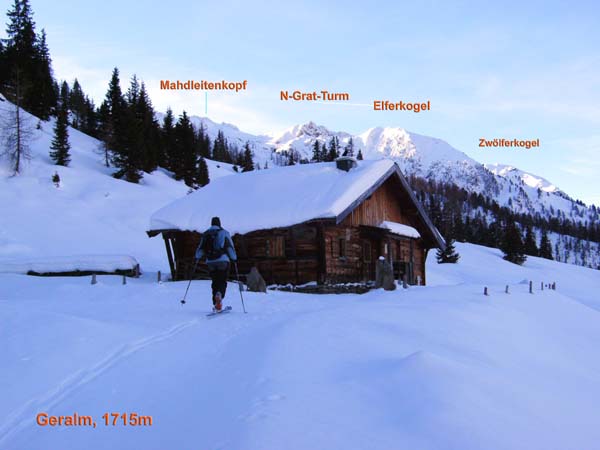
(346, 163)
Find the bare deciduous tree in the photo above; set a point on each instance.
(16, 131)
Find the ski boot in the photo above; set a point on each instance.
(217, 306)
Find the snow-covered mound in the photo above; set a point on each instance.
(436, 367)
(71, 263)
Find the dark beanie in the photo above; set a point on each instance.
(215, 221)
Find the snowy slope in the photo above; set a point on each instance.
(90, 213)
(437, 367)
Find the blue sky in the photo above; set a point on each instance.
(522, 70)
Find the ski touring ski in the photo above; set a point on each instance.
(226, 309)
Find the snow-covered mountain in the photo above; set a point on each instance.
(423, 156)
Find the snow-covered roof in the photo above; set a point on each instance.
(272, 198)
(279, 197)
(400, 229)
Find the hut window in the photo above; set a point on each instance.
(342, 248)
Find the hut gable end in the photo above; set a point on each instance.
(384, 204)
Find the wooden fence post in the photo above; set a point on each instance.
(124, 280)
(531, 287)
(158, 277)
(506, 290)
(94, 281)
(542, 285)
(485, 291)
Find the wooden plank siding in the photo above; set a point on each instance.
(382, 205)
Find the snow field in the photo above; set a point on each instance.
(433, 367)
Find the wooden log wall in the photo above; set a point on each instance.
(284, 255)
(346, 268)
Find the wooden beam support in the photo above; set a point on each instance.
(170, 256)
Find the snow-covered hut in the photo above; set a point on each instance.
(324, 222)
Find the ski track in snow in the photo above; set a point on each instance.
(20, 419)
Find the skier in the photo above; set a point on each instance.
(216, 245)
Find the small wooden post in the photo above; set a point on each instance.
(124, 280)
(94, 281)
(485, 291)
(554, 286)
(531, 287)
(506, 290)
(158, 277)
(542, 285)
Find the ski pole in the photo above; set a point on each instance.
(237, 275)
(188, 286)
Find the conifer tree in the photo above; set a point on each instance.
(316, 157)
(148, 132)
(349, 149)
(203, 142)
(60, 143)
(203, 176)
(360, 155)
(90, 124)
(168, 140)
(112, 112)
(530, 246)
(186, 163)
(120, 132)
(247, 163)
(77, 106)
(449, 255)
(220, 151)
(512, 245)
(458, 228)
(545, 246)
(334, 152)
(26, 52)
(64, 95)
(45, 96)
